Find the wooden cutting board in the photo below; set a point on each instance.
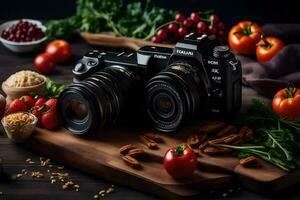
(110, 40)
(99, 155)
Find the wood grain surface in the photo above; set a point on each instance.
(99, 154)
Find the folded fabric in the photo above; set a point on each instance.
(284, 68)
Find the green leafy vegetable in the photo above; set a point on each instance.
(275, 137)
(132, 20)
(54, 89)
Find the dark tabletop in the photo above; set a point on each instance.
(26, 187)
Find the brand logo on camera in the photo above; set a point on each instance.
(160, 56)
(186, 53)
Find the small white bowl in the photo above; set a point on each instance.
(22, 47)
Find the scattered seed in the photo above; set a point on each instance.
(101, 192)
(50, 166)
(225, 194)
(19, 175)
(102, 195)
(76, 186)
(23, 171)
(28, 160)
(31, 162)
(60, 167)
(96, 196)
(64, 187)
(77, 190)
(109, 190)
(37, 175)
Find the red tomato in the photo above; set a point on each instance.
(36, 112)
(180, 161)
(244, 36)
(40, 104)
(28, 100)
(16, 106)
(286, 103)
(267, 48)
(49, 120)
(51, 103)
(44, 63)
(59, 50)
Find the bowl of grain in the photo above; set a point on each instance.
(19, 126)
(24, 83)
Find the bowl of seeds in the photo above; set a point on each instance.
(19, 126)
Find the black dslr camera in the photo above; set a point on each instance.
(197, 77)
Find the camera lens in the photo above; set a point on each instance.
(174, 95)
(97, 101)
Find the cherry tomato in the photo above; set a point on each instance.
(49, 120)
(286, 102)
(201, 27)
(214, 19)
(51, 104)
(182, 32)
(155, 39)
(221, 26)
(172, 28)
(28, 100)
(179, 18)
(212, 29)
(180, 161)
(44, 63)
(59, 50)
(40, 104)
(267, 48)
(195, 17)
(16, 106)
(36, 112)
(162, 34)
(244, 36)
(188, 23)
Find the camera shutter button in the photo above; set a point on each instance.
(78, 67)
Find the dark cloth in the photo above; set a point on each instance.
(284, 68)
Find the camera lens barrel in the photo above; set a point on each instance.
(97, 101)
(174, 95)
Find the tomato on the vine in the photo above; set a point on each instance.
(180, 161)
(267, 48)
(244, 36)
(286, 102)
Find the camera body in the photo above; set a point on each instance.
(198, 76)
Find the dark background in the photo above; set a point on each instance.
(231, 11)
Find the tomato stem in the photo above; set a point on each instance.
(266, 43)
(247, 31)
(291, 91)
(179, 151)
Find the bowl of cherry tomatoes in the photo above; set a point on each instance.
(22, 36)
